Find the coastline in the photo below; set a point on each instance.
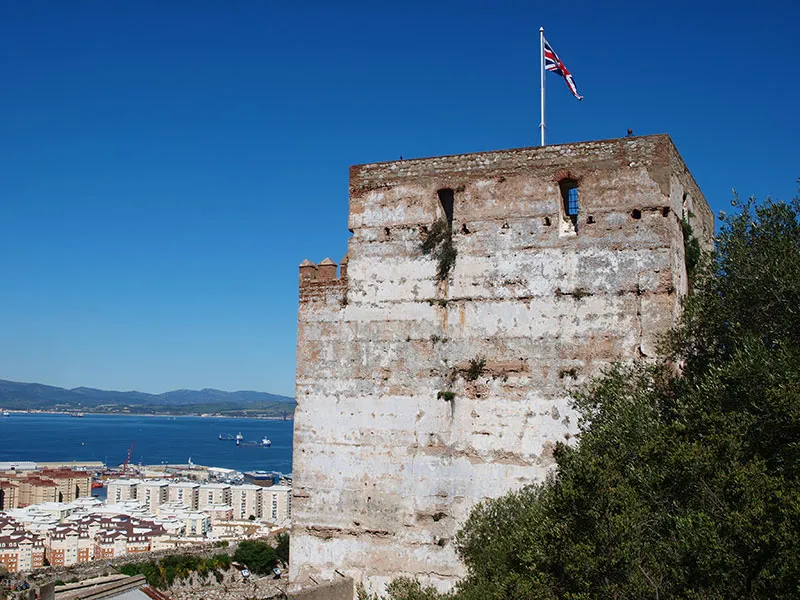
(82, 413)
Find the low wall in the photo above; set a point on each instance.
(341, 589)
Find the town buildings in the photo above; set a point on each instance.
(25, 487)
(20, 550)
(139, 517)
(434, 368)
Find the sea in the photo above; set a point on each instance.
(155, 440)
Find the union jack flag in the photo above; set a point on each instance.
(553, 63)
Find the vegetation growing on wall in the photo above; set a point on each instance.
(691, 248)
(438, 242)
(476, 368)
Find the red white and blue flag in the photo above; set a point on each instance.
(554, 64)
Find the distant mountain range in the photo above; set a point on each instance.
(35, 396)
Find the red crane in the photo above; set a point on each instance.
(127, 459)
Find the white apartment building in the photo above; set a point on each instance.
(195, 523)
(185, 492)
(119, 490)
(214, 493)
(276, 503)
(246, 501)
(152, 494)
(218, 512)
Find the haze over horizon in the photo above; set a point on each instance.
(156, 393)
(166, 167)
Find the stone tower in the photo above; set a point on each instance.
(427, 384)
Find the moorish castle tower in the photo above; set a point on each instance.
(434, 368)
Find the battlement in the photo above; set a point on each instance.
(321, 281)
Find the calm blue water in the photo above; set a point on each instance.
(40, 437)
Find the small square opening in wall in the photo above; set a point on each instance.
(636, 213)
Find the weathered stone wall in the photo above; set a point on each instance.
(385, 470)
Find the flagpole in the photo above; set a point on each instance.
(541, 73)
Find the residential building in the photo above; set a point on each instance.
(68, 545)
(196, 523)
(152, 493)
(21, 551)
(9, 494)
(276, 503)
(23, 488)
(214, 493)
(185, 492)
(119, 490)
(246, 501)
(71, 484)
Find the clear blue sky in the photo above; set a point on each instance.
(165, 166)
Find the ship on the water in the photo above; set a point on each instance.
(240, 441)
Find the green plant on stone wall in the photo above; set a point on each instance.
(691, 248)
(476, 368)
(438, 243)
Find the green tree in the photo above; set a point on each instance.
(405, 588)
(258, 555)
(683, 484)
(282, 548)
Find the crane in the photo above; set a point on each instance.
(127, 459)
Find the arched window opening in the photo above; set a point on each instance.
(569, 198)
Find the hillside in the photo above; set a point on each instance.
(34, 396)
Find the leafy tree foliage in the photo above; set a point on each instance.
(258, 555)
(164, 572)
(683, 484)
(282, 548)
(405, 588)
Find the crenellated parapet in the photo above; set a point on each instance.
(323, 280)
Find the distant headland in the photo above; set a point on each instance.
(17, 396)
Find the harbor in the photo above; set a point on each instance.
(157, 441)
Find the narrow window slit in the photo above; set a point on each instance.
(447, 200)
